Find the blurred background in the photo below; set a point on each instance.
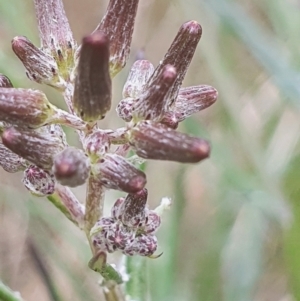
(233, 232)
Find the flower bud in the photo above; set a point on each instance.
(114, 172)
(71, 167)
(103, 233)
(118, 24)
(38, 181)
(154, 101)
(40, 67)
(143, 245)
(156, 141)
(55, 33)
(133, 209)
(24, 107)
(193, 99)
(116, 210)
(5, 82)
(152, 223)
(137, 79)
(170, 120)
(92, 92)
(97, 145)
(10, 161)
(36, 146)
(124, 108)
(180, 54)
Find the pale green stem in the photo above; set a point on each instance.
(6, 294)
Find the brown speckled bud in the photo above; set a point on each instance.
(180, 54)
(152, 223)
(38, 181)
(71, 167)
(116, 210)
(124, 108)
(115, 172)
(156, 141)
(24, 107)
(40, 67)
(133, 209)
(154, 101)
(5, 82)
(118, 24)
(55, 33)
(36, 146)
(92, 92)
(143, 245)
(139, 75)
(10, 161)
(193, 99)
(97, 144)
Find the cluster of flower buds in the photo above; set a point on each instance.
(152, 105)
(130, 228)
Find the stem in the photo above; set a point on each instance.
(94, 204)
(74, 208)
(136, 286)
(6, 294)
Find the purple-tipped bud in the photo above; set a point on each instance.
(180, 54)
(118, 24)
(10, 161)
(133, 209)
(40, 67)
(193, 99)
(36, 146)
(124, 108)
(92, 92)
(156, 141)
(5, 82)
(114, 172)
(71, 167)
(25, 108)
(143, 245)
(154, 101)
(137, 79)
(55, 33)
(97, 145)
(152, 223)
(38, 181)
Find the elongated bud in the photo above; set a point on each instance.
(55, 33)
(115, 172)
(5, 82)
(133, 209)
(38, 181)
(118, 24)
(40, 67)
(193, 99)
(36, 146)
(156, 141)
(23, 107)
(97, 145)
(10, 161)
(180, 54)
(71, 167)
(92, 94)
(137, 79)
(154, 101)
